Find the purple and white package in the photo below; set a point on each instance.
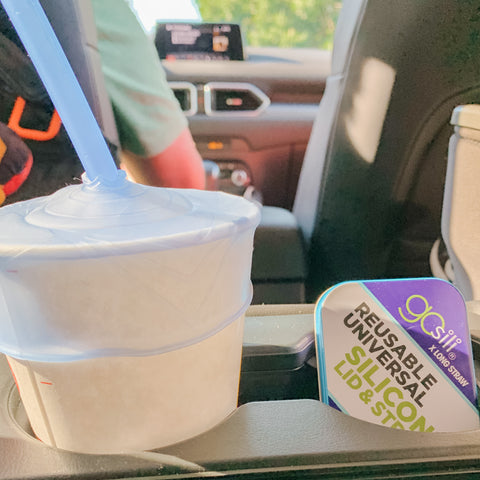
(397, 353)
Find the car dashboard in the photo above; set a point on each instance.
(253, 117)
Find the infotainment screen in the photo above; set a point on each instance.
(199, 41)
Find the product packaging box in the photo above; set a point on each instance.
(397, 353)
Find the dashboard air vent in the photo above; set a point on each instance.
(234, 99)
(186, 94)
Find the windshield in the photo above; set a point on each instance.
(264, 23)
(150, 12)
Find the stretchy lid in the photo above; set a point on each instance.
(121, 270)
(95, 216)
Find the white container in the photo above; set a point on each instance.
(122, 312)
(122, 404)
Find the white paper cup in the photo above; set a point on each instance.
(124, 331)
(124, 404)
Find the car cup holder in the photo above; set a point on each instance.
(299, 437)
(276, 365)
(277, 354)
(16, 412)
(278, 362)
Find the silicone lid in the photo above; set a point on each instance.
(98, 270)
(96, 215)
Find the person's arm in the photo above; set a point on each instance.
(179, 165)
(147, 114)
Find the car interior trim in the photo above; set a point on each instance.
(192, 93)
(211, 87)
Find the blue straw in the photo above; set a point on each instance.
(38, 37)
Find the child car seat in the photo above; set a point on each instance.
(27, 109)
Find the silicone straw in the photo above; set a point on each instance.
(40, 41)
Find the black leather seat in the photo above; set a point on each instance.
(368, 203)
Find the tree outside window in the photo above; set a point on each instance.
(277, 23)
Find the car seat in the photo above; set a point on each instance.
(368, 203)
(460, 219)
(25, 105)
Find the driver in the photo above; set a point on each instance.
(156, 144)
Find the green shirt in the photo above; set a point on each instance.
(147, 114)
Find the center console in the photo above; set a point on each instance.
(280, 430)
